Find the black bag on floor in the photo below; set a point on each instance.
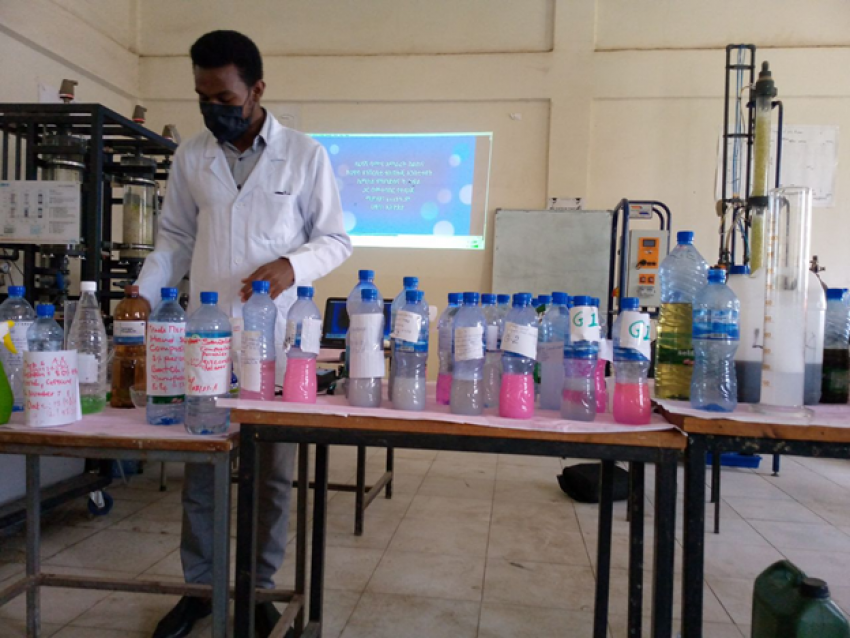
(581, 482)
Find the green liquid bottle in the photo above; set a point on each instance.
(6, 398)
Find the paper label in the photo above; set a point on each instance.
(365, 338)
(469, 343)
(407, 326)
(635, 331)
(129, 333)
(492, 336)
(237, 326)
(19, 338)
(40, 212)
(550, 352)
(584, 323)
(207, 366)
(252, 375)
(166, 343)
(87, 367)
(251, 345)
(311, 335)
(606, 350)
(520, 340)
(51, 391)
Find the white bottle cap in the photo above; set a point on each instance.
(88, 286)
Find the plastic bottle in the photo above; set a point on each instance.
(519, 353)
(408, 283)
(88, 338)
(815, 326)
(541, 304)
(503, 303)
(579, 398)
(683, 274)
(410, 352)
(445, 345)
(599, 379)
(166, 378)
(748, 357)
(714, 386)
(836, 358)
(365, 279)
(303, 337)
(632, 403)
(550, 352)
(467, 395)
(366, 338)
(18, 310)
(493, 346)
(45, 335)
(256, 382)
(129, 328)
(208, 339)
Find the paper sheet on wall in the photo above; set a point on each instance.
(51, 389)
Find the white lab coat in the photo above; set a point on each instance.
(288, 207)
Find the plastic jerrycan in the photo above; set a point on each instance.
(788, 604)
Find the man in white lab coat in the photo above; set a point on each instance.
(246, 200)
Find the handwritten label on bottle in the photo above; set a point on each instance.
(634, 331)
(469, 343)
(166, 350)
(207, 366)
(51, 391)
(521, 340)
(584, 323)
(407, 326)
(365, 338)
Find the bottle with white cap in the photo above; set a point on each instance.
(88, 338)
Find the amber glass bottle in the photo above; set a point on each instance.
(129, 330)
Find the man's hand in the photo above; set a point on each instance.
(278, 273)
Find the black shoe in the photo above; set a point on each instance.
(179, 621)
(266, 616)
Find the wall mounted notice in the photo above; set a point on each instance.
(51, 389)
(39, 212)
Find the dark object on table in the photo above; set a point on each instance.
(581, 482)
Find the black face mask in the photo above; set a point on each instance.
(224, 121)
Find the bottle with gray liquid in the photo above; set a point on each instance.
(410, 353)
(467, 396)
(366, 343)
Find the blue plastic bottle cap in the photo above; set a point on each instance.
(685, 237)
(261, 287)
(629, 303)
(369, 294)
(594, 301)
(739, 270)
(717, 276)
(454, 298)
(366, 275)
(503, 299)
(209, 297)
(305, 292)
(544, 300)
(560, 298)
(410, 282)
(470, 298)
(168, 293)
(522, 299)
(488, 299)
(17, 291)
(414, 296)
(44, 310)
(836, 294)
(582, 300)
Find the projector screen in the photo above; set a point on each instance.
(412, 190)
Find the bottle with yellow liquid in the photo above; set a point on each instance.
(683, 274)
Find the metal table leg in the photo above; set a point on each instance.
(360, 492)
(33, 544)
(301, 531)
(693, 540)
(221, 547)
(390, 468)
(317, 568)
(603, 549)
(637, 473)
(776, 461)
(246, 549)
(665, 546)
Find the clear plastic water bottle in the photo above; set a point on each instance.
(683, 274)
(748, 357)
(836, 358)
(601, 365)
(467, 396)
(541, 304)
(258, 350)
(410, 352)
(493, 355)
(446, 348)
(303, 338)
(815, 326)
(18, 310)
(579, 399)
(366, 340)
(519, 354)
(550, 351)
(632, 403)
(88, 338)
(503, 303)
(714, 386)
(166, 378)
(408, 283)
(208, 339)
(365, 279)
(45, 335)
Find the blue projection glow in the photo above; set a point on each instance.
(412, 190)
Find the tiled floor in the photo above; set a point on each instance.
(470, 545)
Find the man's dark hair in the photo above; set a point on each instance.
(221, 48)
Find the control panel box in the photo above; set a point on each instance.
(647, 249)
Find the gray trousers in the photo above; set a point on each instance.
(277, 463)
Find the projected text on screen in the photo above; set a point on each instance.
(412, 190)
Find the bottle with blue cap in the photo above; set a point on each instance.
(600, 380)
(445, 344)
(365, 279)
(207, 367)
(815, 325)
(579, 399)
(408, 283)
(750, 353)
(366, 343)
(17, 310)
(503, 303)
(519, 354)
(45, 335)
(683, 274)
(836, 358)
(714, 385)
(88, 337)
(410, 352)
(258, 357)
(467, 395)
(166, 378)
(550, 351)
(541, 303)
(632, 403)
(303, 338)
(493, 345)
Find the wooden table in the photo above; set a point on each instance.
(260, 427)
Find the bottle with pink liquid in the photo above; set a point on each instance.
(580, 357)
(445, 326)
(519, 354)
(303, 336)
(258, 353)
(601, 365)
(632, 405)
